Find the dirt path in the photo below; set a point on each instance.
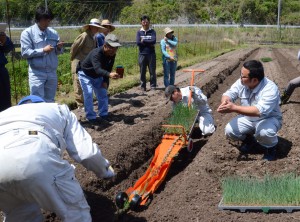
(191, 191)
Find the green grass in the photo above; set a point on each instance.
(281, 190)
(181, 115)
(196, 44)
(189, 53)
(266, 59)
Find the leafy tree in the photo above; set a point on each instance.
(132, 14)
(290, 12)
(69, 12)
(158, 11)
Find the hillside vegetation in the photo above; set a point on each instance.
(70, 12)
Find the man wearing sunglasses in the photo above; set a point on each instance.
(259, 117)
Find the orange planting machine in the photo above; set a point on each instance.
(142, 191)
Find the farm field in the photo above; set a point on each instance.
(192, 188)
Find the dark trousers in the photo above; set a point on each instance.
(150, 61)
(5, 100)
(293, 84)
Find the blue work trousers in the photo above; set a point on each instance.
(169, 72)
(43, 83)
(90, 85)
(293, 84)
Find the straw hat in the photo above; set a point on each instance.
(93, 22)
(105, 23)
(168, 30)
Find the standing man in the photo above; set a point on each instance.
(259, 117)
(199, 101)
(169, 56)
(94, 68)
(83, 44)
(287, 93)
(146, 39)
(6, 46)
(100, 42)
(101, 35)
(33, 173)
(40, 45)
(292, 85)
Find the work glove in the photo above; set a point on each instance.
(192, 88)
(109, 171)
(197, 97)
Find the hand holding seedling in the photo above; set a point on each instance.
(172, 58)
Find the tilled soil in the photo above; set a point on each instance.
(192, 189)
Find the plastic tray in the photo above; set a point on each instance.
(265, 209)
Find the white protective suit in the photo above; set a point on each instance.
(199, 101)
(33, 174)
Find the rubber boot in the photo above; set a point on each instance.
(249, 145)
(270, 153)
(284, 98)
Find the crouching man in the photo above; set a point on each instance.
(259, 117)
(198, 100)
(33, 173)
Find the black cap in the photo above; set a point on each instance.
(169, 91)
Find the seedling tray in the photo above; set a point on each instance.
(265, 209)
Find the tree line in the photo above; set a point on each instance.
(214, 11)
(72, 12)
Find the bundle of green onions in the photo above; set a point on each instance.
(271, 190)
(181, 115)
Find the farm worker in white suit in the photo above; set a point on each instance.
(199, 100)
(33, 174)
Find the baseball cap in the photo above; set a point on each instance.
(169, 91)
(112, 40)
(31, 99)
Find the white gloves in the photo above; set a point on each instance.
(197, 96)
(109, 173)
(192, 88)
